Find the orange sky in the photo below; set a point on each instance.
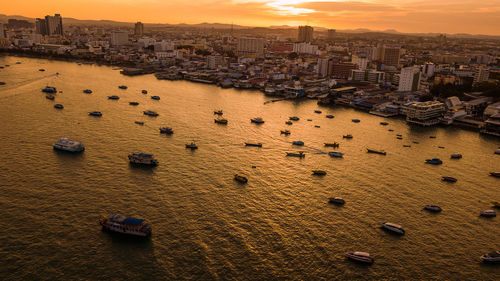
(446, 16)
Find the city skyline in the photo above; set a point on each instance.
(463, 16)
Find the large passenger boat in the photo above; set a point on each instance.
(69, 145)
(126, 225)
(142, 159)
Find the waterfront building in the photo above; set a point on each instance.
(409, 80)
(41, 27)
(482, 74)
(119, 38)
(425, 113)
(342, 70)
(371, 76)
(492, 125)
(253, 47)
(54, 25)
(139, 29)
(322, 68)
(305, 34)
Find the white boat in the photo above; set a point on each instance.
(393, 227)
(142, 159)
(491, 257)
(360, 257)
(126, 225)
(69, 145)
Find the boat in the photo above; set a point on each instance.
(399, 138)
(133, 103)
(318, 172)
(492, 257)
(497, 151)
(150, 113)
(495, 174)
(126, 225)
(336, 200)
(332, 144)
(384, 123)
(329, 116)
(69, 145)
(253, 144)
(166, 130)
(376, 151)
(433, 208)
(58, 106)
(360, 257)
(317, 126)
(2, 83)
(348, 136)
(415, 142)
(257, 120)
(222, 121)
(139, 123)
(142, 159)
(41, 69)
(288, 122)
(240, 178)
(192, 146)
(113, 97)
(285, 132)
(294, 118)
(406, 145)
(87, 91)
(336, 154)
(399, 135)
(434, 161)
(49, 90)
(496, 204)
(95, 113)
(432, 137)
(391, 130)
(309, 120)
(393, 227)
(50, 97)
(123, 87)
(155, 97)
(297, 142)
(293, 154)
(456, 156)
(441, 147)
(144, 91)
(218, 112)
(317, 111)
(449, 179)
(356, 120)
(488, 213)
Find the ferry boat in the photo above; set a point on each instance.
(50, 97)
(58, 106)
(166, 130)
(356, 120)
(253, 144)
(336, 154)
(123, 87)
(192, 146)
(95, 113)
(329, 116)
(285, 132)
(488, 213)
(300, 154)
(126, 225)
(493, 257)
(294, 118)
(69, 145)
(142, 159)
(360, 257)
(318, 172)
(495, 174)
(449, 179)
(332, 144)
(113, 97)
(317, 111)
(434, 161)
(150, 113)
(222, 121)
(133, 103)
(298, 143)
(155, 97)
(144, 91)
(87, 91)
(49, 90)
(433, 208)
(336, 200)
(218, 112)
(456, 156)
(257, 120)
(376, 151)
(240, 178)
(393, 227)
(348, 136)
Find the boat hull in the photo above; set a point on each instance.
(129, 233)
(66, 149)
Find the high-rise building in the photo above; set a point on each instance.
(41, 26)
(250, 46)
(214, 61)
(409, 80)
(119, 38)
(331, 33)
(51, 25)
(391, 55)
(323, 64)
(2, 31)
(305, 34)
(164, 46)
(342, 70)
(139, 29)
(482, 74)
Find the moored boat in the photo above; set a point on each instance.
(493, 257)
(49, 90)
(123, 87)
(69, 145)
(449, 179)
(58, 106)
(329, 116)
(192, 145)
(376, 151)
(155, 97)
(433, 208)
(434, 161)
(95, 113)
(257, 120)
(318, 172)
(166, 130)
(113, 97)
(332, 144)
(142, 159)
(497, 151)
(144, 91)
(139, 123)
(218, 112)
(294, 118)
(253, 144)
(222, 121)
(360, 257)
(300, 143)
(496, 204)
(488, 213)
(495, 174)
(348, 136)
(384, 123)
(336, 200)
(41, 69)
(288, 122)
(133, 103)
(299, 154)
(317, 111)
(336, 154)
(240, 178)
(126, 225)
(50, 97)
(356, 120)
(393, 227)
(150, 113)
(87, 91)
(456, 156)
(285, 132)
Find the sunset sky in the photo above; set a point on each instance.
(447, 16)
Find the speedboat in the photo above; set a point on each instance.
(318, 172)
(434, 161)
(133, 103)
(142, 159)
(257, 120)
(376, 151)
(294, 118)
(384, 123)
(491, 257)
(360, 257)
(432, 208)
(150, 113)
(50, 97)
(113, 97)
(393, 227)
(155, 97)
(49, 90)
(356, 120)
(69, 145)
(123, 87)
(449, 179)
(192, 146)
(300, 154)
(495, 174)
(288, 122)
(144, 91)
(126, 225)
(87, 91)
(336, 200)
(488, 213)
(95, 113)
(240, 178)
(285, 132)
(298, 143)
(166, 130)
(336, 154)
(58, 106)
(218, 112)
(317, 111)
(253, 144)
(456, 156)
(331, 144)
(222, 121)
(329, 116)
(348, 136)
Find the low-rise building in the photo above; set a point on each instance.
(425, 113)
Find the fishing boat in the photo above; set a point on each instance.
(257, 120)
(68, 145)
(222, 121)
(192, 146)
(253, 144)
(288, 122)
(434, 161)
(488, 213)
(329, 116)
(142, 159)
(393, 227)
(493, 257)
(433, 208)
(58, 106)
(285, 132)
(376, 151)
(144, 91)
(95, 113)
(300, 154)
(133, 103)
(456, 156)
(139, 123)
(449, 179)
(356, 120)
(166, 130)
(50, 97)
(495, 174)
(240, 178)
(332, 144)
(348, 136)
(335, 154)
(360, 257)
(49, 90)
(298, 143)
(336, 200)
(294, 118)
(123, 87)
(317, 111)
(318, 172)
(87, 91)
(384, 123)
(113, 97)
(150, 113)
(218, 112)
(126, 225)
(155, 97)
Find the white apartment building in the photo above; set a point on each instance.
(409, 80)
